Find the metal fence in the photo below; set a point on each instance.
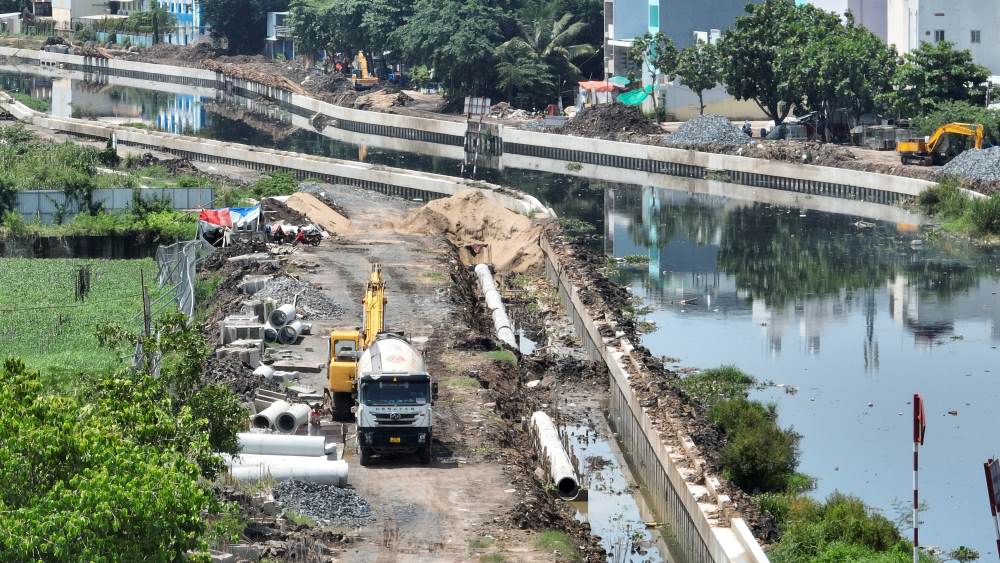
(177, 264)
(47, 205)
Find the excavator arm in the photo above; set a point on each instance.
(373, 307)
(918, 151)
(966, 129)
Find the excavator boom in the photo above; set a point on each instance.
(919, 151)
(373, 306)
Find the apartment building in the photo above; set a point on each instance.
(969, 24)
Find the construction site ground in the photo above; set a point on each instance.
(458, 508)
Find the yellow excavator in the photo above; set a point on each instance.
(363, 80)
(939, 148)
(347, 345)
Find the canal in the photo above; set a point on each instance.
(842, 318)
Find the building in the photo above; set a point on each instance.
(279, 37)
(683, 21)
(190, 26)
(970, 24)
(872, 14)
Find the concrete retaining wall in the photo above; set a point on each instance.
(682, 494)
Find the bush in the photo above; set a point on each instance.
(984, 215)
(979, 216)
(274, 184)
(961, 112)
(758, 455)
(712, 385)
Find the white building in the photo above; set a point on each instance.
(969, 24)
(872, 14)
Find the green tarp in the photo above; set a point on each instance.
(635, 97)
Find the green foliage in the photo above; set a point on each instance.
(274, 184)
(574, 227)
(518, 70)
(238, 23)
(106, 479)
(758, 456)
(502, 356)
(32, 102)
(59, 339)
(420, 76)
(935, 73)
(963, 554)
(657, 54)
(984, 215)
(838, 530)
(961, 112)
(543, 54)
(719, 384)
(958, 212)
(556, 540)
(700, 68)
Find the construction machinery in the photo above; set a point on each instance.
(383, 379)
(362, 80)
(939, 147)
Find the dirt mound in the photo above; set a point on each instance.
(473, 222)
(166, 52)
(608, 121)
(318, 212)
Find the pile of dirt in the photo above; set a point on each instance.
(247, 73)
(609, 122)
(165, 53)
(276, 211)
(475, 223)
(324, 193)
(220, 257)
(318, 212)
(311, 302)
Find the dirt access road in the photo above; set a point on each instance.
(448, 510)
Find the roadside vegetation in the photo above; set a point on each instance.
(960, 213)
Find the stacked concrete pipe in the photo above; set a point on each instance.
(289, 333)
(501, 322)
(281, 316)
(551, 452)
(291, 420)
(282, 457)
(267, 417)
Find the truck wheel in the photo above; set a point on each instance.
(342, 404)
(427, 453)
(365, 456)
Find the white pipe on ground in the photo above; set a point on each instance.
(265, 371)
(280, 444)
(328, 472)
(501, 322)
(550, 450)
(289, 334)
(289, 421)
(266, 417)
(282, 315)
(270, 333)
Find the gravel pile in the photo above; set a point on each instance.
(706, 130)
(313, 303)
(981, 164)
(326, 503)
(231, 372)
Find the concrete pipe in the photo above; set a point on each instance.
(551, 452)
(325, 472)
(279, 444)
(265, 371)
(270, 333)
(282, 315)
(493, 300)
(289, 334)
(500, 319)
(265, 418)
(289, 421)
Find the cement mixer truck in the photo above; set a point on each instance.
(383, 379)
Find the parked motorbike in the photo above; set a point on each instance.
(308, 237)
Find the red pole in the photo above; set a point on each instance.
(993, 500)
(919, 427)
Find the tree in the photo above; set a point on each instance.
(549, 43)
(518, 69)
(457, 39)
(935, 73)
(700, 68)
(655, 53)
(763, 48)
(241, 23)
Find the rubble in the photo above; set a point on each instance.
(982, 164)
(233, 373)
(325, 503)
(707, 129)
(608, 121)
(313, 303)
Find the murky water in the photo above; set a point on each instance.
(855, 317)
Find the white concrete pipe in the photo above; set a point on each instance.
(282, 315)
(266, 417)
(270, 333)
(501, 322)
(493, 300)
(550, 450)
(289, 421)
(289, 334)
(284, 469)
(245, 459)
(265, 371)
(280, 444)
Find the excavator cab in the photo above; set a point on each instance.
(942, 145)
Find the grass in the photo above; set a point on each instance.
(492, 558)
(481, 543)
(462, 381)
(718, 384)
(43, 323)
(636, 259)
(433, 276)
(299, 519)
(502, 356)
(957, 212)
(36, 104)
(554, 540)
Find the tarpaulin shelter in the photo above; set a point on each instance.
(596, 92)
(635, 97)
(217, 224)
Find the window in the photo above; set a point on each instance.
(938, 35)
(976, 36)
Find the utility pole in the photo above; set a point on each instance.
(919, 429)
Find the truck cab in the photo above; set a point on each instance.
(395, 396)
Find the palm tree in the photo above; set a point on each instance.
(550, 42)
(518, 69)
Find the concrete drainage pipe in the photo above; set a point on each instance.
(282, 468)
(277, 444)
(265, 418)
(282, 315)
(289, 421)
(289, 334)
(551, 452)
(501, 323)
(270, 333)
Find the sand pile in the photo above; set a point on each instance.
(476, 225)
(318, 212)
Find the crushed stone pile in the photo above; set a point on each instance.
(326, 503)
(470, 219)
(706, 130)
(983, 164)
(233, 373)
(607, 121)
(313, 303)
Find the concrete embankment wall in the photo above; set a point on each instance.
(685, 498)
(522, 148)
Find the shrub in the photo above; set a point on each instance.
(274, 184)
(984, 215)
(713, 385)
(758, 455)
